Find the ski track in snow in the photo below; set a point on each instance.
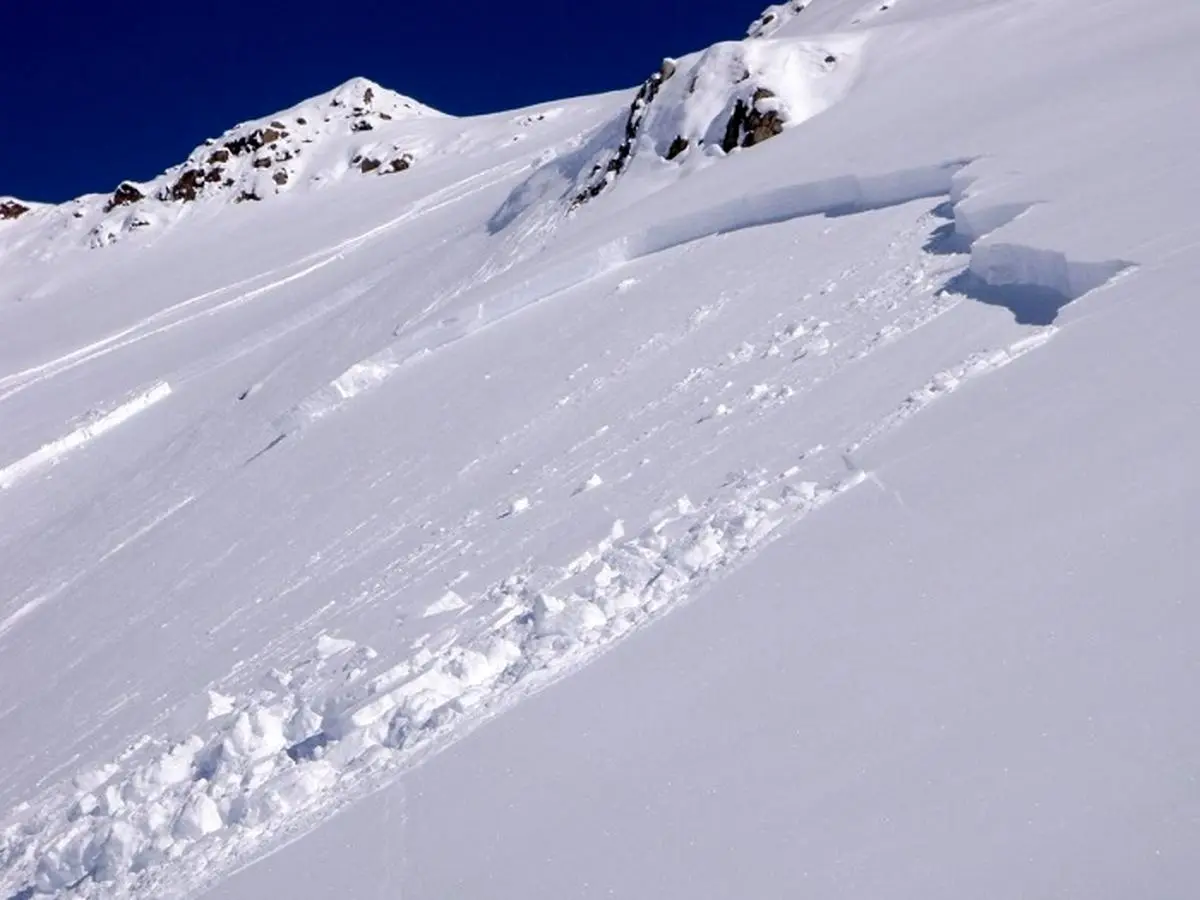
(179, 314)
(45, 596)
(97, 425)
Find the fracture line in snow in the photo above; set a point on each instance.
(98, 425)
(996, 267)
(836, 196)
(28, 608)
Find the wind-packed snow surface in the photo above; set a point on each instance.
(868, 337)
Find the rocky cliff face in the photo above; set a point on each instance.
(734, 95)
(350, 131)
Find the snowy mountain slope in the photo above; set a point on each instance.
(297, 493)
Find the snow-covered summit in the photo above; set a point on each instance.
(819, 16)
(775, 16)
(695, 111)
(359, 128)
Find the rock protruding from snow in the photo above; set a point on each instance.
(733, 95)
(125, 194)
(355, 129)
(602, 176)
(12, 209)
(256, 160)
(754, 122)
(774, 17)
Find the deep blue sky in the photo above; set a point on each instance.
(93, 92)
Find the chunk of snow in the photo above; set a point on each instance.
(447, 603)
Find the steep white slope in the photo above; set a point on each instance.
(422, 445)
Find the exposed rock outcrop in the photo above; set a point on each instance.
(678, 146)
(774, 17)
(188, 186)
(399, 164)
(734, 95)
(124, 195)
(359, 127)
(257, 160)
(255, 140)
(754, 122)
(12, 209)
(603, 175)
(367, 164)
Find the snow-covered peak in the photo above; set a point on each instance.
(820, 17)
(696, 110)
(775, 16)
(362, 96)
(359, 128)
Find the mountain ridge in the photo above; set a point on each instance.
(267, 156)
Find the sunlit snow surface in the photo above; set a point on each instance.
(296, 493)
